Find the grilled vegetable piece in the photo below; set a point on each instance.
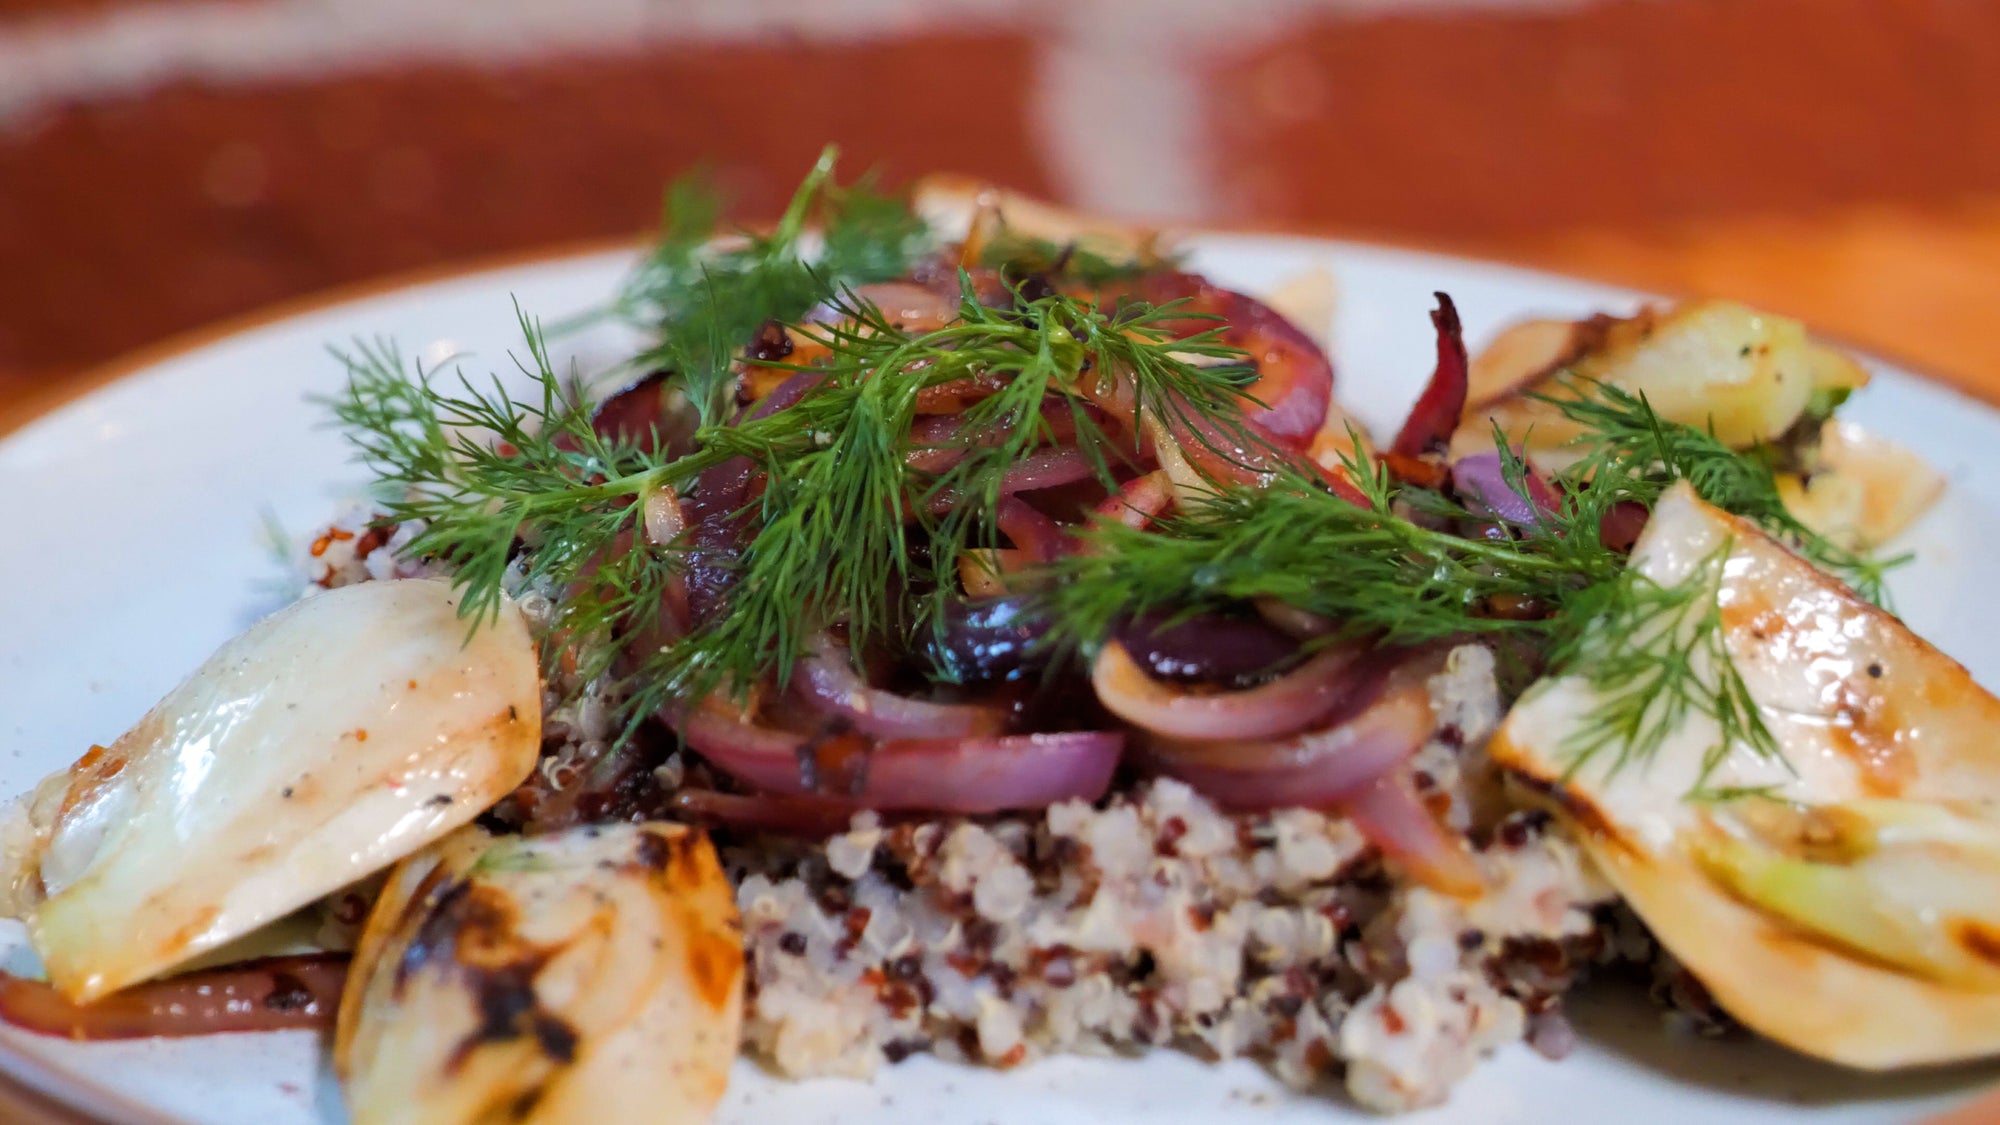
(1842, 895)
(321, 745)
(590, 975)
(1750, 375)
(1859, 490)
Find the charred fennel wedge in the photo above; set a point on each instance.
(318, 747)
(593, 974)
(1749, 377)
(1746, 375)
(1834, 881)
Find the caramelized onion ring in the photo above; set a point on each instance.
(264, 995)
(1392, 816)
(826, 680)
(1316, 768)
(1286, 704)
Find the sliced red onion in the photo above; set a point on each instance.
(1621, 524)
(933, 443)
(1395, 819)
(1295, 622)
(913, 308)
(718, 526)
(1209, 648)
(1288, 703)
(1437, 412)
(939, 441)
(663, 516)
(1294, 377)
(954, 396)
(1047, 468)
(817, 817)
(1317, 767)
(1141, 500)
(988, 640)
(1034, 534)
(645, 415)
(785, 395)
(1482, 479)
(827, 681)
(952, 775)
(263, 995)
(977, 775)
(1044, 468)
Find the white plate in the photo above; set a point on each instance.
(133, 524)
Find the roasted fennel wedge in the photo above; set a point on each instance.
(1744, 374)
(592, 974)
(323, 744)
(1819, 838)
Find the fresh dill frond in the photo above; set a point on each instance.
(518, 491)
(512, 493)
(1367, 568)
(843, 505)
(705, 299)
(1629, 450)
(1655, 655)
(1023, 254)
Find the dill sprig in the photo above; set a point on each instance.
(1370, 569)
(1024, 254)
(842, 507)
(1628, 448)
(704, 300)
(511, 493)
(1395, 568)
(517, 491)
(1656, 654)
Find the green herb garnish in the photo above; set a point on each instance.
(831, 537)
(705, 303)
(1390, 569)
(1656, 654)
(1630, 449)
(1367, 567)
(1022, 254)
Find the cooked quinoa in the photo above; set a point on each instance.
(1157, 920)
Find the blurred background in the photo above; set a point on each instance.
(164, 163)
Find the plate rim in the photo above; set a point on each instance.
(35, 1091)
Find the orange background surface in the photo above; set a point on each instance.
(1834, 159)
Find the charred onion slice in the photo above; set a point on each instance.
(1442, 403)
(818, 817)
(1288, 703)
(270, 994)
(1392, 816)
(1294, 377)
(1482, 480)
(1212, 649)
(1317, 767)
(592, 974)
(827, 681)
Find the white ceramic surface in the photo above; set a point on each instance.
(134, 546)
